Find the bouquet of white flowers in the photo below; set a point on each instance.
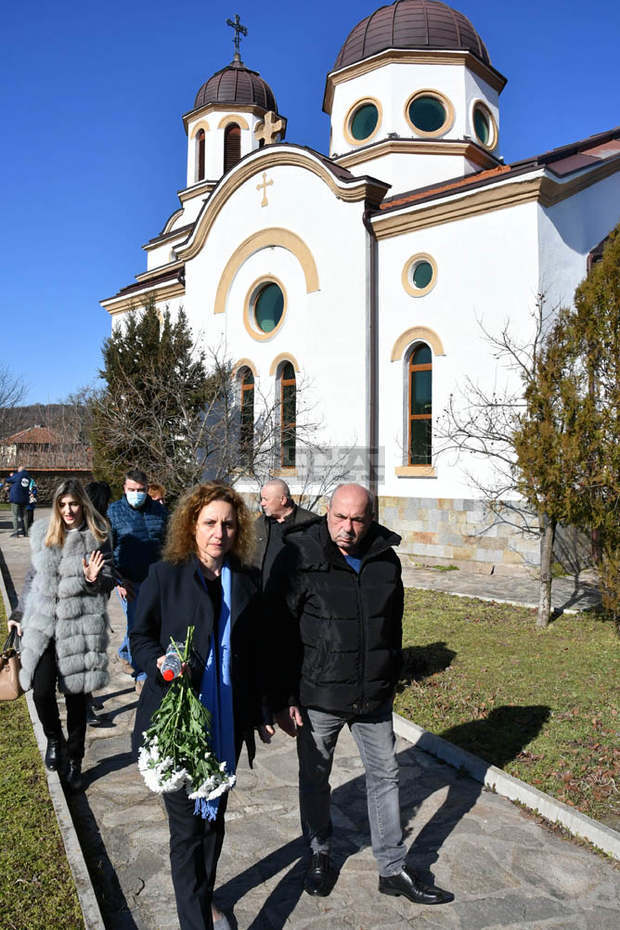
(176, 751)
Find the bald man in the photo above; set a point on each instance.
(336, 598)
(280, 513)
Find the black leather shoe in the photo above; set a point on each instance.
(407, 884)
(319, 877)
(74, 776)
(52, 755)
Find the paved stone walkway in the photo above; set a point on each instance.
(506, 871)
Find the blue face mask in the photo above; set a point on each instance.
(135, 498)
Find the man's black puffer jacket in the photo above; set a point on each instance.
(339, 634)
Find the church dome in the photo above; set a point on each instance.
(415, 24)
(236, 85)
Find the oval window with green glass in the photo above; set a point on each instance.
(428, 113)
(364, 121)
(268, 307)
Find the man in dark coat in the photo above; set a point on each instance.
(337, 598)
(138, 527)
(19, 495)
(280, 513)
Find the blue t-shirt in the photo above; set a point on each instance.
(354, 563)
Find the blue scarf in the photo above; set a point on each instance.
(216, 693)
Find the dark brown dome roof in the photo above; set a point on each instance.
(420, 24)
(236, 84)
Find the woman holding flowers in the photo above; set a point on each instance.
(204, 585)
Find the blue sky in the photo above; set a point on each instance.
(94, 148)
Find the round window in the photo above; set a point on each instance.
(421, 274)
(364, 121)
(268, 307)
(427, 113)
(484, 126)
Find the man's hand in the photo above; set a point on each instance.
(288, 719)
(125, 589)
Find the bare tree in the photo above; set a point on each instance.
(12, 391)
(489, 423)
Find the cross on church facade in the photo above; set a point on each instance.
(264, 202)
(268, 130)
(239, 31)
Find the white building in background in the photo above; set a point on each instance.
(364, 273)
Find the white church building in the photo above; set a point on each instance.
(363, 273)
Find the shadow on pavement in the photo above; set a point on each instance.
(106, 766)
(512, 727)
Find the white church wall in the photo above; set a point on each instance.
(409, 171)
(568, 231)
(487, 269)
(162, 254)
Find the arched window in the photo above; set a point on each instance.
(200, 155)
(288, 415)
(232, 146)
(246, 415)
(420, 406)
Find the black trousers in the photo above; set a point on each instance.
(195, 847)
(44, 694)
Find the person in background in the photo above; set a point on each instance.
(62, 618)
(204, 581)
(19, 484)
(280, 513)
(32, 503)
(157, 492)
(138, 531)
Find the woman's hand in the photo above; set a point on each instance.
(265, 732)
(14, 625)
(93, 566)
(162, 659)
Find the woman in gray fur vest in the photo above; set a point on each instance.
(63, 621)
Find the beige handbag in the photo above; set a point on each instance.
(10, 665)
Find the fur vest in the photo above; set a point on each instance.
(62, 605)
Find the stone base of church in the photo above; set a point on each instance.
(458, 532)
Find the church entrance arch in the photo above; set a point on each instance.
(267, 238)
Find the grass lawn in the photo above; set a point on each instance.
(36, 886)
(541, 705)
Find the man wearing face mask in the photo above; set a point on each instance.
(138, 530)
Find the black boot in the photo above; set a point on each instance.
(52, 754)
(319, 879)
(407, 884)
(73, 778)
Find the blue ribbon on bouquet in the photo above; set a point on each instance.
(216, 693)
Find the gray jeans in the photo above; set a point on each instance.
(18, 512)
(374, 735)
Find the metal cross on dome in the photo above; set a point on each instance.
(240, 30)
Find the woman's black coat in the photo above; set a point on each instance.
(172, 598)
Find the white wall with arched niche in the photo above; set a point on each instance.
(488, 271)
(322, 325)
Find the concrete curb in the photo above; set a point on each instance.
(512, 788)
(81, 876)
